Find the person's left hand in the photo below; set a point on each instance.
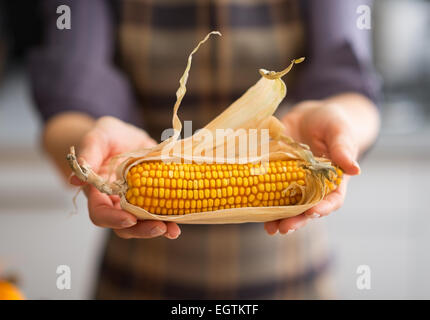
(325, 127)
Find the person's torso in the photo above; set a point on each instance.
(215, 261)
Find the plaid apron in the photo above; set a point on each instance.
(210, 261)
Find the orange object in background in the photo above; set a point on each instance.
(9, 292)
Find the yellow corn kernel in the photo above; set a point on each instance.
(176, 188)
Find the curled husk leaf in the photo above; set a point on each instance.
(252, 112)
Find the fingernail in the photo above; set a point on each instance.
(290, 231)
(314, 215)
(168, 236)
(128, 223)
(156, 231)
(74, 180)
(270, 232)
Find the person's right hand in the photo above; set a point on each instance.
(107, 138)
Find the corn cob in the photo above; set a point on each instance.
(280, 190)
(180, 188)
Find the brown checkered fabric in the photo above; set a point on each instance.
(227, 261)
(157, 36)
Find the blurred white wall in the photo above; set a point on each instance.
(37, 231)
(384, 223)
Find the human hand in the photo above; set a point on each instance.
(107, 138)
(327, 129)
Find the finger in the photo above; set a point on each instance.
(116, 200)
(331, 202)
(76, 181)
(143, 230)
(173, 230)
(86, 190)
(104, 214)
(271, 227)
(292, 224)
(342, 148)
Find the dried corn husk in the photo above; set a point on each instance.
(251, 114)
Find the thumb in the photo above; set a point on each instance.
(342, 148)
(94, 149)
(290, 123)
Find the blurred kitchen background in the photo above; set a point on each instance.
(384, 224)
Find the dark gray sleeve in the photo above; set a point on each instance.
(339, 54)
(73, 69)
